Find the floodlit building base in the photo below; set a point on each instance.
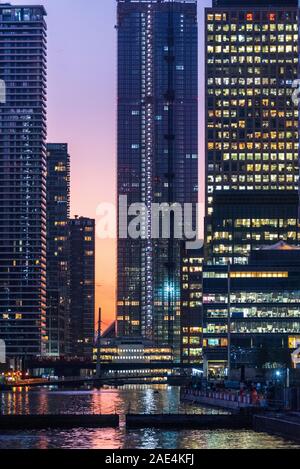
(130, 351)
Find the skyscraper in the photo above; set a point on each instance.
(252, 169)
(23, 180)
(157, 156)
(82, 266)
(58, 249)
(252, 124)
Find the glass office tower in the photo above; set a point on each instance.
(252, 121)
(252, 143)
(264, 308)
(157, 156)
(23, 180)
(58, 249)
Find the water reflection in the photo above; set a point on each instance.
(136, 399)
(141, 439)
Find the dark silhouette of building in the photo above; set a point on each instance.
(110, 331)
(82, 263)
(58, 249)
(23, 68)
(157, 157)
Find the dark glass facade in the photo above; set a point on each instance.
(82, 264)
(157, 156)
(23, 180)
(58, 249)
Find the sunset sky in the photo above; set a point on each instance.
(82, 70)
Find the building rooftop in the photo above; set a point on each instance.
(10, 6)
(110, 331)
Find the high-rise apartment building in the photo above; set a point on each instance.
(157, 156)
(251, 122)
(23, 180)
(82, 267)
(58, 249)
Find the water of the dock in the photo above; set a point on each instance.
(133, 399)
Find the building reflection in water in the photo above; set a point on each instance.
(136, 399)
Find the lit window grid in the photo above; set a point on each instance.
(251, 233)
(23, 153)
(270, 149)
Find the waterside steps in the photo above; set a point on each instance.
(43, 421)
(236, 421)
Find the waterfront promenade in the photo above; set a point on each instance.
(226, 399)
(261, 418)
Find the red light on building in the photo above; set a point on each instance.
(249, 17)
(272, 17)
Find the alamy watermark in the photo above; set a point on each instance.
(2, 352)
(153, 221)
(2, 92)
